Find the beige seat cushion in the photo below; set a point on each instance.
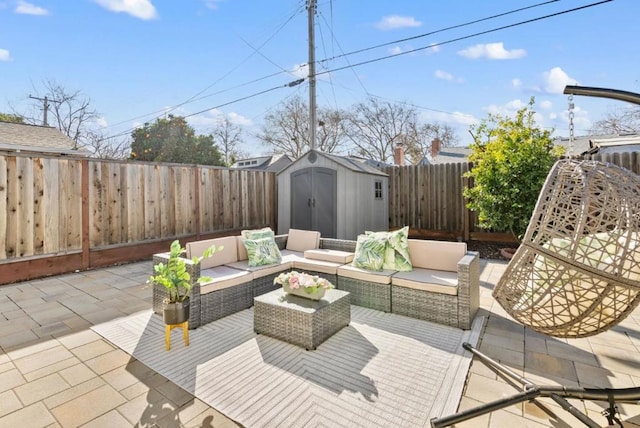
(302, 240)
(291, 256)
(435, 281)
(316, 266)
(261, 271)
(438, 255)
(228, 254)
(335, 256)
(224, 277)
(379, 277)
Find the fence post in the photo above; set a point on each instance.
(196, 197)
(84, 171)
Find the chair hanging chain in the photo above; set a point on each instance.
(571, 130)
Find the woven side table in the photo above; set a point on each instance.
(300, 321)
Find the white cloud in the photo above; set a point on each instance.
(142, 9)
(454, 118)
(508, 109)
(396, 50)
(301, 71)
(441, 74)
(393, 22)
(546, 105)
(516, 83)
(102, 122)
(433, 48)
(491, 51)
(238, 119)
(5, 55)
(30, 9)
(556, 79)
(212, 4)
(205, 122)
(553, 116)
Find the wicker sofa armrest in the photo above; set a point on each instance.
(468, 288)
(338, 244)
(160, 293)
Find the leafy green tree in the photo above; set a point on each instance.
(13, 118)
(511, 160)
(171, 139)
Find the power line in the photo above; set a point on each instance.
(290, 84)
(299, 10)
(297, 82)
(442, 30)
(457, 39)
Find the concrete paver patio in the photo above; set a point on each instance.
(56, 372)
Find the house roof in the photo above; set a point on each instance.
(610, 143)
(20, 137)
(448, 155)
(272, 163)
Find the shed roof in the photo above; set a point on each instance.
(34, 138)
(344, 161)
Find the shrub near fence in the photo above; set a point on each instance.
(60, 214)
(429, 199)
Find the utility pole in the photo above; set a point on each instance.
(311, 9)
(45, 108)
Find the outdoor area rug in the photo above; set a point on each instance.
(381, 370)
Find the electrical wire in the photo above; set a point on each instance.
(442, 30)
(297, 82)
(480, 33)
(301, 8)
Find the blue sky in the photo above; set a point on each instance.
(138, 58)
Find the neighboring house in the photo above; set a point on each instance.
(21, 138)
(445, 154)
(273, 163)
(612, 143)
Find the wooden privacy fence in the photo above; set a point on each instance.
(60, 214)
(429, 199)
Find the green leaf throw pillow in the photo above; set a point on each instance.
(396, 254)
(369, 252)
(262, 252)
(265, 232)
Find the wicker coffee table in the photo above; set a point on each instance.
(303, 322)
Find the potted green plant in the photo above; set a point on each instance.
(175, 278)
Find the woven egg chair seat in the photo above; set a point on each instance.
(577, 271)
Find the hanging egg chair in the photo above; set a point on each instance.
(577, 272)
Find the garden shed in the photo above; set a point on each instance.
(338, 196)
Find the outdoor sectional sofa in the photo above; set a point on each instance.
(443, 286)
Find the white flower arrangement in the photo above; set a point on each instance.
(300, 280)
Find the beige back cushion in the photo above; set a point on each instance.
(228, 254)
(242, 250)
(437, 255)
(302, 240)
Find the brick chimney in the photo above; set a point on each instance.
(398, 154)
(435, 147)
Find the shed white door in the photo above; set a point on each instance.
(313, 200)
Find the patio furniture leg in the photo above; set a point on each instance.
(167, 333)
(532, 391)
